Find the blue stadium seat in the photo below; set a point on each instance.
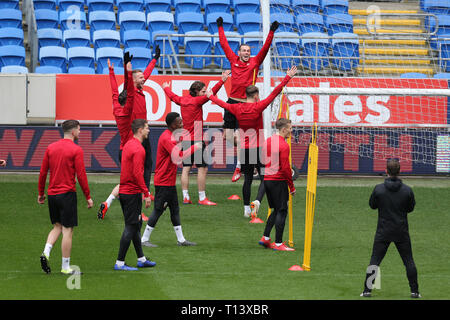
(310, 22)
(166, 49)
(189, 21)
(248, 22)
(243, 6)
(81, 57)
(280, 7)
(117, 70)
(76, 38)
(46, 18)
(10, 18)
(443, 29)
(12, 56)
(102, 5)
(115, 55)
(315, 50)
(198, 46)
(53, 56)
(158, 21)
(339, 22)
(212, 24)
(132, 20)
(81, 70)
(158, 5)
(11, 36)
(49, 37)
(234, 44)
(334, 6)
(48, 69)
(14, 69)
(45, 4)
(286, 44)
(444, 54)
(442, 75)
(437, 6)
(72, 19)
(413, 75)
(305, 6)
(254, 40)
(187, 6)
(106, 38)
(102, 20)
(345, 45)
(9, 4)
(129, 5)
(287, 22)
(136, 38)
(70, 4)
(216, 6)
(141, 57)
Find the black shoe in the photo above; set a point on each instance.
(415, 295)
(44, 264)
(186, 243)
(366, 294)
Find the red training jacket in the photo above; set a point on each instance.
(132, 173)
(276, 153)
(140, 108)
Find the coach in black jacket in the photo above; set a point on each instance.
(394, 200)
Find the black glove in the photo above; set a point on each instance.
(274, 26)
(219, 21)
(127, 58)
(157, 53)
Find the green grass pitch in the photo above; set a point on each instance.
(228, 263)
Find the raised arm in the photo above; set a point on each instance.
(224, 42)
(128, 107)
(151, 65)
(176, 154)
(172, 96)
(113, 82)
(233, 108)
(225, 75)
(265, 48)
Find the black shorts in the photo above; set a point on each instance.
(63, 209)
(131, 207)
(229, 120)
(277, 194)
(251, 159)
(198, 157)
(165, 196)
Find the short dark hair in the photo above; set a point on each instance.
(393, 167)
(244, 45)
(123, 97)
(68, 125)
(170, 118)
(251, 90)
(281, 123)
(138, 124)
(195, 88)
(136, 71)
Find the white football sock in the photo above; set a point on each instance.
(179, 233)
(201, 195)
(238, 164)
(110, 199)
(147, 233)
(65, 263)
(47, 249)
(247, 209)
(266, 238)
(120, 263)
(142, 259)
(186, 194)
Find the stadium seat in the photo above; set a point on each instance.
(15, 69)
(10, 18)
(212, 24)
(286, 44)
(53, 56)
(11, 36)
(254, 40)
(76, 38)
(189, 21)
(216, 6)
(339, 22)
(248, 22)
(187, 6)
(159, 21)
(81, 70)
(102, 20)
(442, 75)
(70, 5)
(102, 5)
(310, 22)
(243, 6)
(233, 42)
(334, 6)
(136, 38)
(345, 45)
(129, 5)
(158, 5)
(132, 20)
(280, 7)
(141, 57)
(315, 50)
(9, 4)
(46, 18)
(443, 29)
(48, 69)
(436, 6)
(117, 70)
(72, 19)
(12, 56)
(413, 75)
(49, 37)
(196, 45)
(81, 57)
(287, 22)
(106, 38)
(444, 54)
(115, 55)
(159, 39)
(305, 6)
(45, 4)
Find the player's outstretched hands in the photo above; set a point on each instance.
(166, 84)
(209, 93)
(110, 65)
(90, 203)
(219, 21)
(274, 26)
(225, 75)
(41, 199)
(157, 53)
(129, 67)
(127, 58)
(2, 163)
(148, 202)
(292, 71)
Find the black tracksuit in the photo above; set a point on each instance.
(394, 200)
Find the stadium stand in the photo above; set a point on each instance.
(158, 5)
(196, 45)
(12, 55)
(315, 50)
(141, 57)
(310, 22)
(129, 5)
(9, 4)
(76, 38)
(115, 55)
(280, 7)
(136, 39)
(211, 6)
(81, 70)
(45, 4)
(53, 56)
(160, 22)
(81, 57)
(102, 20)
(45, 18)
(189, 21)
(71, 5)
(287, 22)
(305, 6)
(442, 75)
(49, 37)
(242, 6)
(106, 38)
(345, 50)
(131, 20)
(334, 6)
(339, 22)
(48, 69)
(248, 22)
(253, 39)
(287, 44)
(11, 36)
(10, 18)
(14, 69)
(228, 22)
(100, 5)
(413, 75)
(72, 19)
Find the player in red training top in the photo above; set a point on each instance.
(65, 161)
(244, 71)
(277, 183)
(249, 114)
(192, 115)
(132, 187)
(168, 156)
